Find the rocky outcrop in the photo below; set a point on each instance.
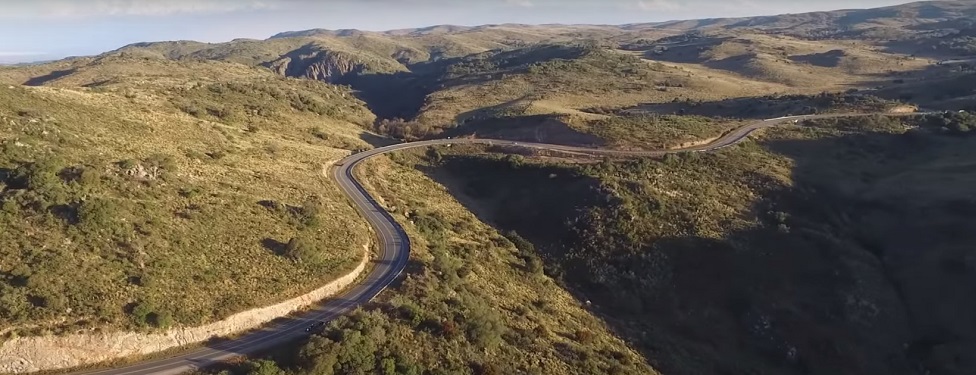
(31, 354)
(320, 65)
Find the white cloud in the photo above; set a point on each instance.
(101, 8)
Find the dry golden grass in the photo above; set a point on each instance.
(800, 64)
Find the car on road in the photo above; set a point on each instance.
(315, 327)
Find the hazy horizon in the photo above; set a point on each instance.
(53, 29)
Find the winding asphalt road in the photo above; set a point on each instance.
(394, 250)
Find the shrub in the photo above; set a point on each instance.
(584, 337)
(412, 313)
(89, 177)
(317, 132)
(141, 314)
(484, 325)
(161, 161)
(97, 214)
(310, 212)
(433, 155)
(534, 265)
(128, 164)
(41, 175)
(303, 250)
(162, 319)
(388, 366)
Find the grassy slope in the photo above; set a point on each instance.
(159, 208)
(795, 254)
(802, 64)
(563, 79)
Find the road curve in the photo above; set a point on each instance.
(394, 251)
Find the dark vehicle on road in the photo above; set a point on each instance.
(317, 326)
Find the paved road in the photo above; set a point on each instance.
(394, 248)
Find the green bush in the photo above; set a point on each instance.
(163, 319)
(412, 313)
(98, 214)
(483, 324)
(41, 175)
(142, 314)
(304, 250)
(262, 367)
(310, 213)
(89, 177)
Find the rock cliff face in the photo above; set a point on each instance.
(31, 354)
(327, 66)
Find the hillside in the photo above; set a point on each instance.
(472, 302)
(142, 177)
(814, 249)
(441, 76)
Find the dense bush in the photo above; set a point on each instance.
(305, 250)
(97, 214)
(268, 100)
(957, 123)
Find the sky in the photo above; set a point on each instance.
(33, 30)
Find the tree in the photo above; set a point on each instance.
(433, 155)
(262, 367)
(39, 175)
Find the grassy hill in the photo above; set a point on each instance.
(174, 195)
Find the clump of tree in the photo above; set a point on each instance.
(235, 102)
(955, 123)
(527, 251)
(406, 130)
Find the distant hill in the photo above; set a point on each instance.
(413, 74)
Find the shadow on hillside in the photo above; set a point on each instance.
(685, 52)
(831, 281)
(40, 80)
(376, 140)
(829, 59)
(755, 108)
(537, 128)
(391, 95)
(274, 246)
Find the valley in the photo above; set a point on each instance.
(166, 186)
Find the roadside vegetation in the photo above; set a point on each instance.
(769, 106)
(147, 205)
(705, 262)
(655, 132)
(473, 301)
